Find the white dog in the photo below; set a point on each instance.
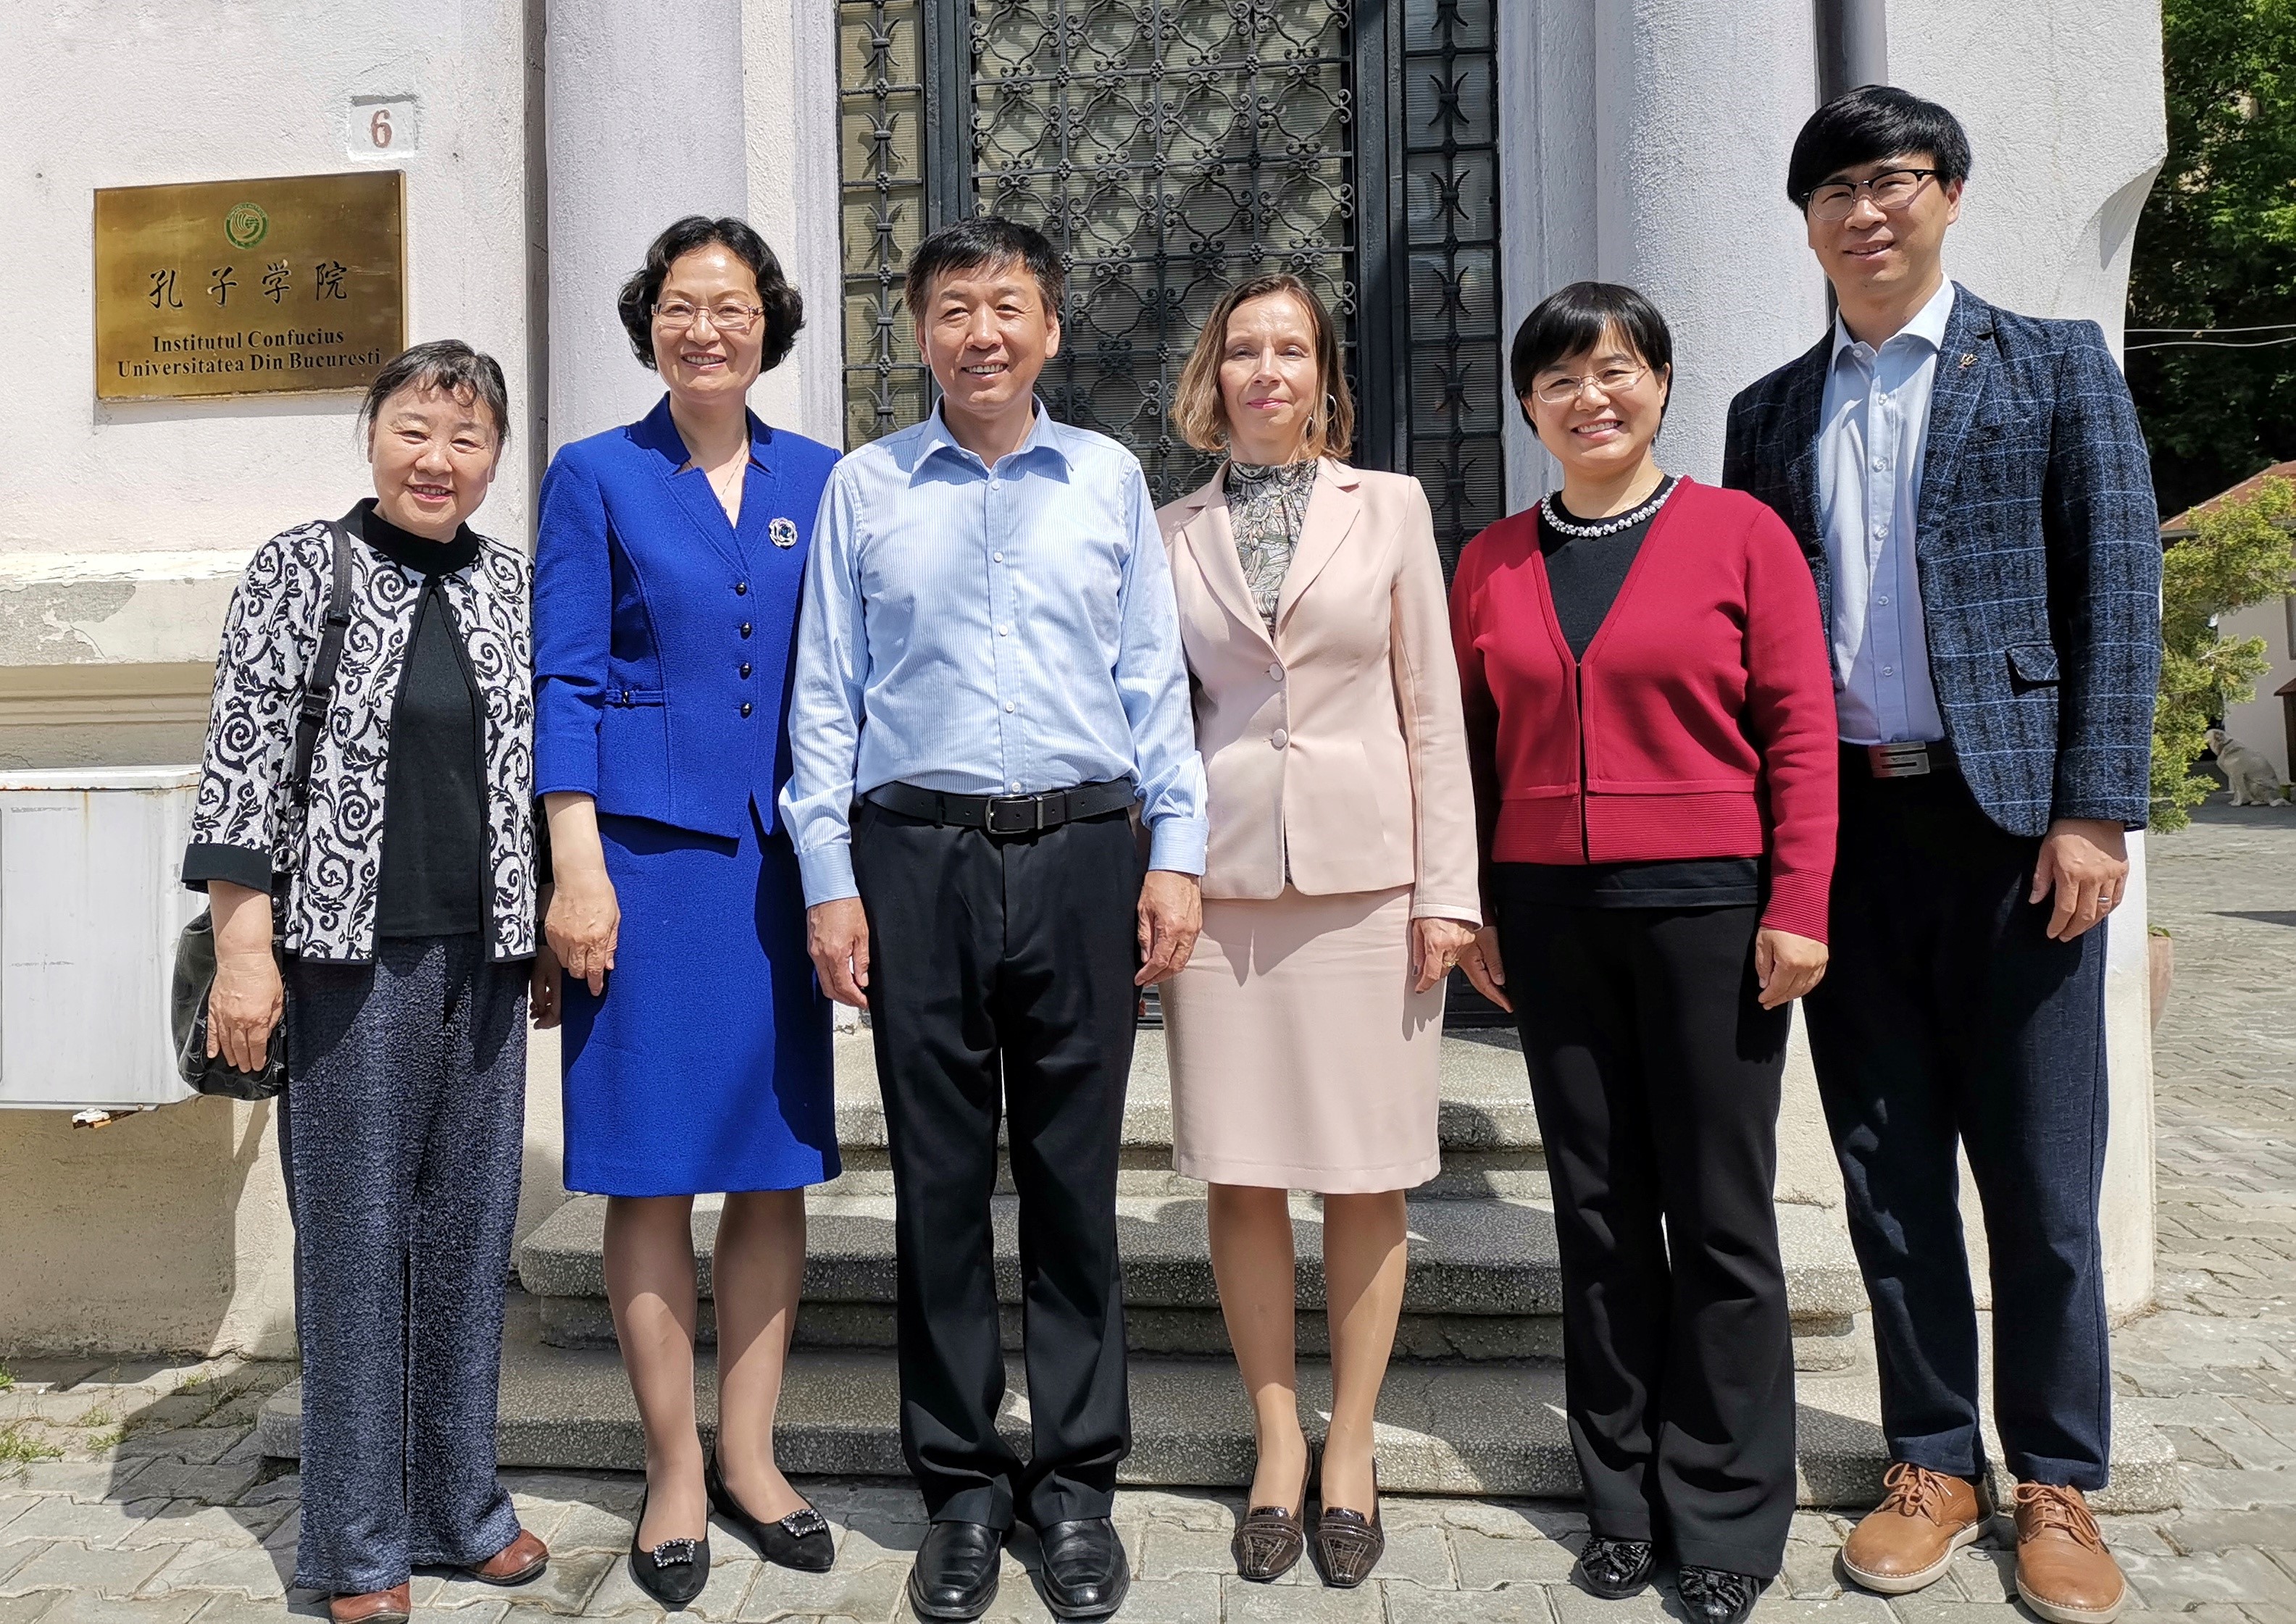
(2254, 783)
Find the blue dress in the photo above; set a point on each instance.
(663, 637)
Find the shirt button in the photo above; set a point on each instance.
(741, 588)
(999, 557)
(1881, 462)
(745, 664)
(1276, 673)
(1882, 601)
(1279, 738)
(1889, 670)
(1008, 707)
(1004, 631)
(746, 707)
(745, 628)
(1015, 786)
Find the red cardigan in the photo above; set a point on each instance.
(1700, 723)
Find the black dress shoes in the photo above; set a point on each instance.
(673, 1573)
(1716, 1595)
(1086, 1574)
(800, 1540)
(955, 1578)
(1615, 1569)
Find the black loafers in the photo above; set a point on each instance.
(1716, 1595)
(1086, 1574)
(1615, 1569)
(955, 1578)
(800, 1540)
(673, 1573)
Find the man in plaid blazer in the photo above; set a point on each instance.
(1972, 493)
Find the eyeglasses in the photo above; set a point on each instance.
(1890, 190)
(1610, 380)
(677, 316)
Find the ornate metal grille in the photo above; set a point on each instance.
(1171, 147)
(1457, 387)
(881, 106)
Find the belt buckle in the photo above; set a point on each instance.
(1910, 760)
(1030, 809)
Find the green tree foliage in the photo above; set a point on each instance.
(2217, 249)
(2242, 553)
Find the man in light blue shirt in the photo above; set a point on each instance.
(1870, 439)
(989, 683)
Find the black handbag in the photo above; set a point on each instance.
(195, 955)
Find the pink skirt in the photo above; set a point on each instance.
(1301, 1058)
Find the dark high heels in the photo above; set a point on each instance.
(1271, 1539)
(800, 1540)
(1348, 1545)
(673, 1573)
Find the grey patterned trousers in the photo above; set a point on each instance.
(403, 1132)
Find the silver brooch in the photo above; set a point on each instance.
(783, 531)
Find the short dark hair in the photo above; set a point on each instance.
(986, 239)
(784, 309)
(442, 364)
(1572, 320)
(1867, 125)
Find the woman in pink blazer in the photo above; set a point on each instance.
(1339, 887)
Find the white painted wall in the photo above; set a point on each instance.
(138, 93)
(2261, 724)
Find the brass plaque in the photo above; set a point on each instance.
(249, 287)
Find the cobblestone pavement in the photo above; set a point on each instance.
(136, 1493)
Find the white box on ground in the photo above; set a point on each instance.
(90, 907)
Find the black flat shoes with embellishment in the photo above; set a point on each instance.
(673, 1573)
(800, 1540)
(1615, 1569)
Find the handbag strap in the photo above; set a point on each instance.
(319, 687)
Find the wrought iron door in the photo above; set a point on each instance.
(1171, 147)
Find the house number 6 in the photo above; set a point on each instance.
(377, 128)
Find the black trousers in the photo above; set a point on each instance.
(1001, 971)
(1948, 1016)
(1656, 1076)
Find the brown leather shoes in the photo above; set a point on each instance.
(392, 1606)
(523, 1559)
(1908, 1541)
(2063, 1571)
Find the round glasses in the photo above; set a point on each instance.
(1610, 380)
(726, 316)
(1892, 189)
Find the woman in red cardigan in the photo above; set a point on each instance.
(1650, 715)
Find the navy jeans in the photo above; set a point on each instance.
(1948, 1017)
(403, 1132)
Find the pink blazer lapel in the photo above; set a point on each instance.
(1211, 540)
(1332, 508)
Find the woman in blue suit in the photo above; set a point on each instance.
(696, 1045)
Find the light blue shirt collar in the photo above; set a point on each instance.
(935, 438)
(1928, 325)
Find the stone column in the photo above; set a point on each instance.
(642, 123)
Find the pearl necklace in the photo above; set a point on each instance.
(1608, 527)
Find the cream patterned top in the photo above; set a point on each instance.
(1266, 506)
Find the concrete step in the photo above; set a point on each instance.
(1484, 1281)
(1445, 1429)
(1485, 1124)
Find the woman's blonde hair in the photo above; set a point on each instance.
(1201, 415)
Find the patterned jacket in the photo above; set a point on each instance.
(2038, 548)
(245, 826)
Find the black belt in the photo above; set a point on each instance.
(1917, 758)
(1006, 814)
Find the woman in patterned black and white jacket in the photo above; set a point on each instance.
(404, 881)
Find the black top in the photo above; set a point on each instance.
(434, 838)
(1584, 576)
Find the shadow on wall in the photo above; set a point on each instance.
(165, 1233)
